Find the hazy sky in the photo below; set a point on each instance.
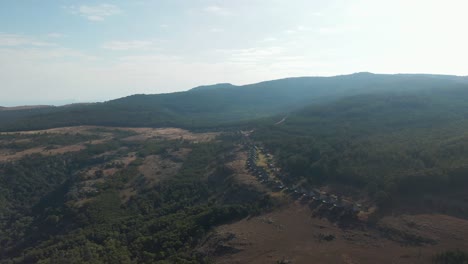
(59, 51)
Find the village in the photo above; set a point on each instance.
(336, 208)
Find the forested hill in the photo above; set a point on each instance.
(392, 146)
(211, 87)
(211, 106)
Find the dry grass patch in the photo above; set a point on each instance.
(155, 169)
(169, 134)
(292, 234)
(241, 174)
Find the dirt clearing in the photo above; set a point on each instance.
(142, 133)
(291, 234)
(155, 169)
(241, 174)
(106, 134)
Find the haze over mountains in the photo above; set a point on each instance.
(213, 105)
(221, 172)
(227, 132)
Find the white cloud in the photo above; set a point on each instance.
(95, 12)
(11, 40)
(164, 26)
(58, 72)
(36, 54)
(42, 44)
(129, 45)
(217, 10)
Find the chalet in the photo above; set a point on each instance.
(338, 204)
(296, 194)
(347, 206)
(333, 199)
(313, 195)
(325, 199)
(356, 208)
(279, 187)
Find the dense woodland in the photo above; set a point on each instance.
(398, 140)
(451, 257)
(394, 146)
(218, 106)
(162, 224)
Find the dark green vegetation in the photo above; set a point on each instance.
(213, 106)
(398, 141)
(399, 147)
(19, 142)
(451, 257)
(12, 116)
(43, 219)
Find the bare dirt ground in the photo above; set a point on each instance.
(241, 174)
(155, 169)
(170, 133)
(60, 130)
(10, 156)
(294, 235)
(142, 134)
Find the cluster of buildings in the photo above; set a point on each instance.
(262, 174)
(318, 200)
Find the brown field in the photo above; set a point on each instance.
(294, 235)
(170, 133)
(6, 155)
(290, 233)
(155, 169)
(141, 135)
(62, 130)
(241, 173)
(124, 161)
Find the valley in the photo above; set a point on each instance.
(299, 231)
(72, 181)
(353, 175)
(233, 132)
(292, 235)
(303, 225)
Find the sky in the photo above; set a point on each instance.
(63, 51)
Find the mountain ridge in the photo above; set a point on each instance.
(222, 104)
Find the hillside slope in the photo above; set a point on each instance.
(129, 195)
(395, 148)
(222, 104)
